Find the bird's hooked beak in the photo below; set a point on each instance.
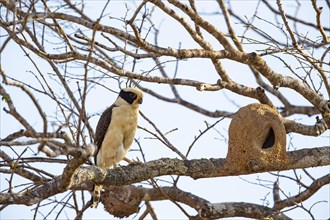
(140, 101)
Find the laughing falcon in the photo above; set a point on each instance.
(115, 132)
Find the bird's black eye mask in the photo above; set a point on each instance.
(128, 96)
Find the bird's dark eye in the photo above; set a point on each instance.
(132, 95)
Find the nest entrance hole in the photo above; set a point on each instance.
(270, 139)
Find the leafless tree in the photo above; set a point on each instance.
(76, 56)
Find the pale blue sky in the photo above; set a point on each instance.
(170, 116)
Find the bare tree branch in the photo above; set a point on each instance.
(291, 201)
(78, 57)
(202, 168)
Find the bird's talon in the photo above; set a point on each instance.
(135, 162)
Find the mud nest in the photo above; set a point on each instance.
(121, 201)
(257, 137)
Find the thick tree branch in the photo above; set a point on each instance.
(131, 196)
(134, 173)
(311, 130)
(240, 209)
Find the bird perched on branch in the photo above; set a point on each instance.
(115, 132)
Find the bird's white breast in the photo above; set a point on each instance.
(119, 136)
